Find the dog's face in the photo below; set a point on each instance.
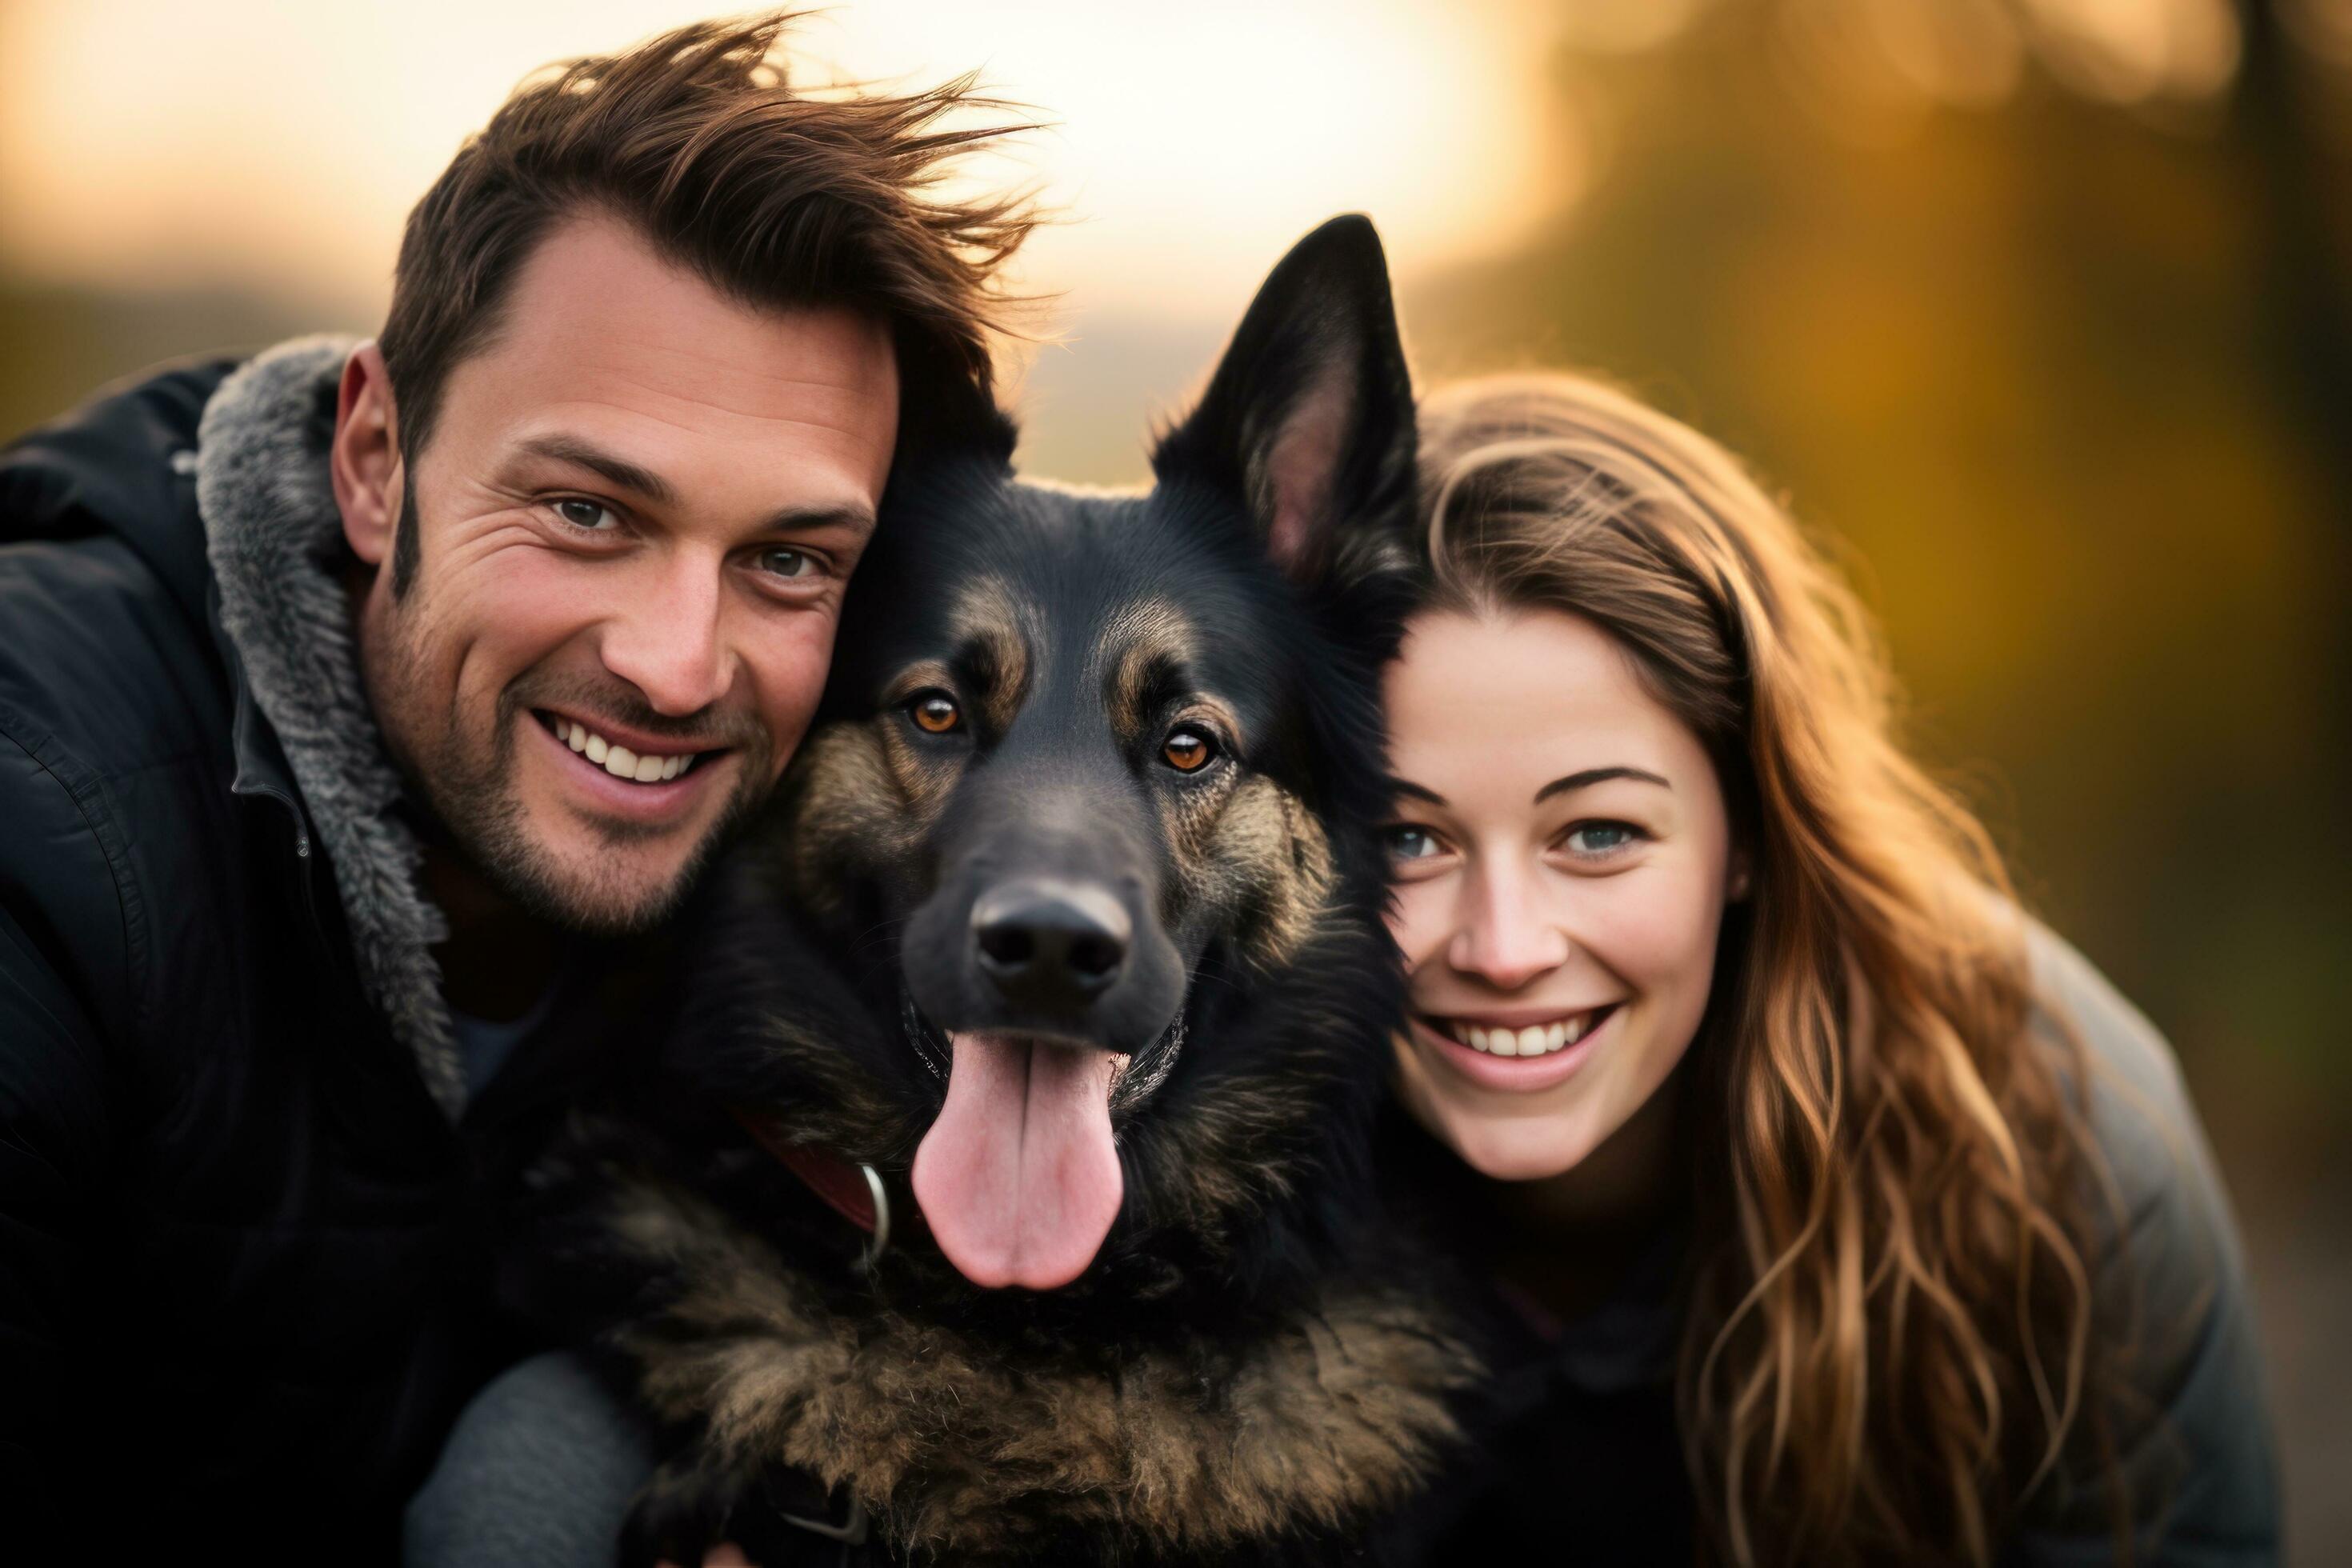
(1095, 765)
(1083, 771)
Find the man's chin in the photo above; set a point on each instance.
(612, 885)
(583, 870)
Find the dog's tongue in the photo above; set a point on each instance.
(1018, 1178)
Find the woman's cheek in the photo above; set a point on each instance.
(1640, 929)
(1657, 935)
(1416, 921)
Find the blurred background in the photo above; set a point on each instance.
(2042, 308)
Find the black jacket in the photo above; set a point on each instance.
(239, 1274)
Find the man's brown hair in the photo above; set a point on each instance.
(777, 198)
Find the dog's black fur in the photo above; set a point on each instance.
(1239, 1374)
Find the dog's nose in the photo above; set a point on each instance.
(1050, 943)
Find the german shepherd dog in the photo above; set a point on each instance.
(1010, 1201)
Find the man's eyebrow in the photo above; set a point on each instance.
(644, 481)
(615, 470)
(794, 519)
(1593, 776)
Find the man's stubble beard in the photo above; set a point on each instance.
(466, 786)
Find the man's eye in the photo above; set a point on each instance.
(1598, 838)
(788, 562)
(1405, 842)
(587, 515)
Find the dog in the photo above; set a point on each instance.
(1003, 1195)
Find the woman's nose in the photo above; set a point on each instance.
(1506, 937)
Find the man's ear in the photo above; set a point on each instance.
(364, 457)
(1308, 420)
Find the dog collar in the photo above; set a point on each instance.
(855, 1192)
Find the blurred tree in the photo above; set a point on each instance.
(2043, 306)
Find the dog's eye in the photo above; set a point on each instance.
(935, 713)
(1187, 751)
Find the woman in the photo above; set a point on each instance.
(1842, 1214)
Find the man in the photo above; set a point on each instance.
(361, 710)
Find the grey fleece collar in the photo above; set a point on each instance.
(275, 540)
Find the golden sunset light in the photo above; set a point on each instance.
(280, 145)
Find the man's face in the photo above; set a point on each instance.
(638, 507)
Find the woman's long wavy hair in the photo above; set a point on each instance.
(1889, 1334)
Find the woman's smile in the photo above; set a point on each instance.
(1518, 1034)
(1511, 1057)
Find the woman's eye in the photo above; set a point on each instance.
(780, 562)
(935, 713)
(1187, 751)
(587, 515)
(1405, 842)
(1598, 838)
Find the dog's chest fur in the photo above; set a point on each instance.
(966, 1451)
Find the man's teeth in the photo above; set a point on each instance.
(1535, 1040)
(619, 761)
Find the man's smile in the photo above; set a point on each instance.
(625, 772)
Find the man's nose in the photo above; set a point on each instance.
(666, 638)
(1507, 936)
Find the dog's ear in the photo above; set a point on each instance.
(1308, 421)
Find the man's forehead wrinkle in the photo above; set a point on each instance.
(846, 427)
(666, 391)
(726, 386)
(595, 289)
(767, 371)
(620, 431)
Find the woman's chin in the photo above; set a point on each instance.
(1527, 1153)
(1505, 1148)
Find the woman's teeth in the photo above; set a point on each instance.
(1535, 1040)
(619, 761)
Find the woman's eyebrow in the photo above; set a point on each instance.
(1406, 786)
(1594, 777)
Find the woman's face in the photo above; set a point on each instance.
(1562, 857)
